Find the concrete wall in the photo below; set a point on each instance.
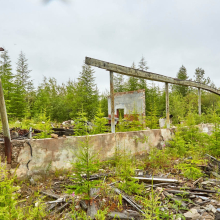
(60, 152)
(129, 101)
(206, 128)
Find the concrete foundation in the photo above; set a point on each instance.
(59, 153)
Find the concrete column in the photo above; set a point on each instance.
(167, 105)
(199, 101)
(112, 103)
(5, 126)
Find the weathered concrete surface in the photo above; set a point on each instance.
(206, 128)
(51, 154)
(59, 153)
(132, 101)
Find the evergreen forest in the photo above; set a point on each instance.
(65, 101)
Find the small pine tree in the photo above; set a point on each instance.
(125, 168)
(81, 127)
(152, 120)
(99, 122)
(86, 164)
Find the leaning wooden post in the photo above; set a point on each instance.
(5, 126)
(112, 103)
(167, 105)
(199, 101)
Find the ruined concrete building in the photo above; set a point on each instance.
(128, 104)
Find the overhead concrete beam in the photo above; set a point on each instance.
(146, 75)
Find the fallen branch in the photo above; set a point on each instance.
(129, 200)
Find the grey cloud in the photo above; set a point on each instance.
(56, 37)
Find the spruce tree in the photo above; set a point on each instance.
(132, 83)
(23, 72)
(142, 66)
(182, 75)
(18, 104)
(119, 83)
(22, 88)
(7, 79)
(85, 94)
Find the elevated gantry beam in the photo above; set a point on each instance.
(150, 76)
(146, 75)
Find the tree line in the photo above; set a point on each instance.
(65, 101)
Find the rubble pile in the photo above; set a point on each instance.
(170, 196)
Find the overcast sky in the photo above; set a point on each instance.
(57, 36)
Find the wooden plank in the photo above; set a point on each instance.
(156, 179)
(129, 200)
(146, 75)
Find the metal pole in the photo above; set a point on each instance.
(167, 105)
(5, 126)
(112, 103)
(199, 101)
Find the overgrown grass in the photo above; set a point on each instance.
(186, 150)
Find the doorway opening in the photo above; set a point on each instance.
(120, 113)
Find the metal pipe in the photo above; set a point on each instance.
(112, 102)
(5, 126)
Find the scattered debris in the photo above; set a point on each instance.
(155, 179)
(184, 198)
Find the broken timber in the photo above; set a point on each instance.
(156, 179)
(147, 75)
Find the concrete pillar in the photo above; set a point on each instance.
(167, 105)
(112, 103)
(199, 101)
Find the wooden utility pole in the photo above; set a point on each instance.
(5, 126)
(112, 103)
(199, 101)
(167, 105)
